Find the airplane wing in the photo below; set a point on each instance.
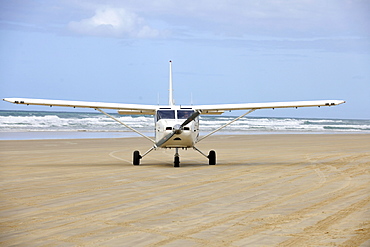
(219, 109)
(122, 108)
(150, 109)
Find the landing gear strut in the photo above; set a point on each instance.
(137, 156)
(211, 156)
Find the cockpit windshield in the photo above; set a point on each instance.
(166, 114)
(184, 114)
(171, 114)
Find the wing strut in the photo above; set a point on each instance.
(223, 126)
(134, 130)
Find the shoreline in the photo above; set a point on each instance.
(60, 135)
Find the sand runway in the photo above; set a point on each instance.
(266, 190)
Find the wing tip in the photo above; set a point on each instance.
(10, 100)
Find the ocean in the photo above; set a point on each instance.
(26, 125)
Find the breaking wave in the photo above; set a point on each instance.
(22, 121)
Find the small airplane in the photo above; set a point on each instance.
(176, 126)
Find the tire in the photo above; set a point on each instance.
(136, 158)
(176, 162)
(212, 157)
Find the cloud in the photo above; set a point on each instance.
(279, 18)
(190, 18)
(114, 22)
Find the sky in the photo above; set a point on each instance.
(223, 51)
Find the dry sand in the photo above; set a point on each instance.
(266, 190)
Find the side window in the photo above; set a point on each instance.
(184, 114)
(165, 114)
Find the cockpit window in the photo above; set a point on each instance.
(166, 114)
(184, 114)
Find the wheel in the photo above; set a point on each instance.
(136, 158)
(212, 157)
(176, 162)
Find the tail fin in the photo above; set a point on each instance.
(170, 96)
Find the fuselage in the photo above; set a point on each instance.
(169, 119)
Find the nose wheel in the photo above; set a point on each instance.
(176, 162)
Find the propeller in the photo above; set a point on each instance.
(177, 129)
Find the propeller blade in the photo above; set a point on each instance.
(191, 118)
(165, 139)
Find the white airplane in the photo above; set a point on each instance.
(175, 126)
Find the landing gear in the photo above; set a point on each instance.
(212, 157)
(176, 162)
(136, 158)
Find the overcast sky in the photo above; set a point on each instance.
(223, 51)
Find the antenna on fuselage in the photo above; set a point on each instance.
(170, 96)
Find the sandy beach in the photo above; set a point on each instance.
(266, 190)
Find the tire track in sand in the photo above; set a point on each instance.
(236, 235)
(305, 237)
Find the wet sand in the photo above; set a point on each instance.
(266, 190)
